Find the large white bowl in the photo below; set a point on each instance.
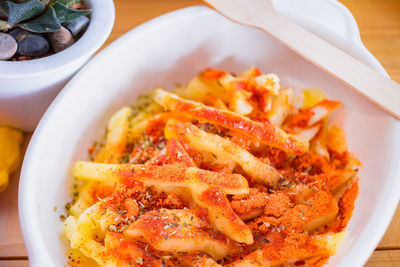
(28, 87)
(173, 48)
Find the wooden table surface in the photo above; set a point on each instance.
(379, 23)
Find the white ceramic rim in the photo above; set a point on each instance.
(37, 248)
(357, 36)
(101, 23)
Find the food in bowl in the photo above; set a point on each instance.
(232, 170)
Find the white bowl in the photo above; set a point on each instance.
(173, 48)
(28, 87)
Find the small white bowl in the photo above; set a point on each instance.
(28, 87)
(173, 48)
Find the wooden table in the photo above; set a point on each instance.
(379, 22)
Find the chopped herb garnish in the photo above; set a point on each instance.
(112, 228)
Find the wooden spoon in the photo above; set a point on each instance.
(261, 14)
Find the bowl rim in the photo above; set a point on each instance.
(101, 23)
(36, 247)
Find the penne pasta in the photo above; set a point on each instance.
(178, 231)
(117, 136)
(220, 146)
(164, 176)
(267, 133)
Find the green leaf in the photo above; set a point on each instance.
(4, 26)
(48, 22)
(45, 2)
(20, 12)
(65, 13)
(3, 11)
(68, 3)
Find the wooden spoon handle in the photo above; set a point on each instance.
(260, 14)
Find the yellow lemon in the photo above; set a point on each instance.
(3, 180)
(10, 153)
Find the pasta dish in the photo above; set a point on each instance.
(229, 170)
